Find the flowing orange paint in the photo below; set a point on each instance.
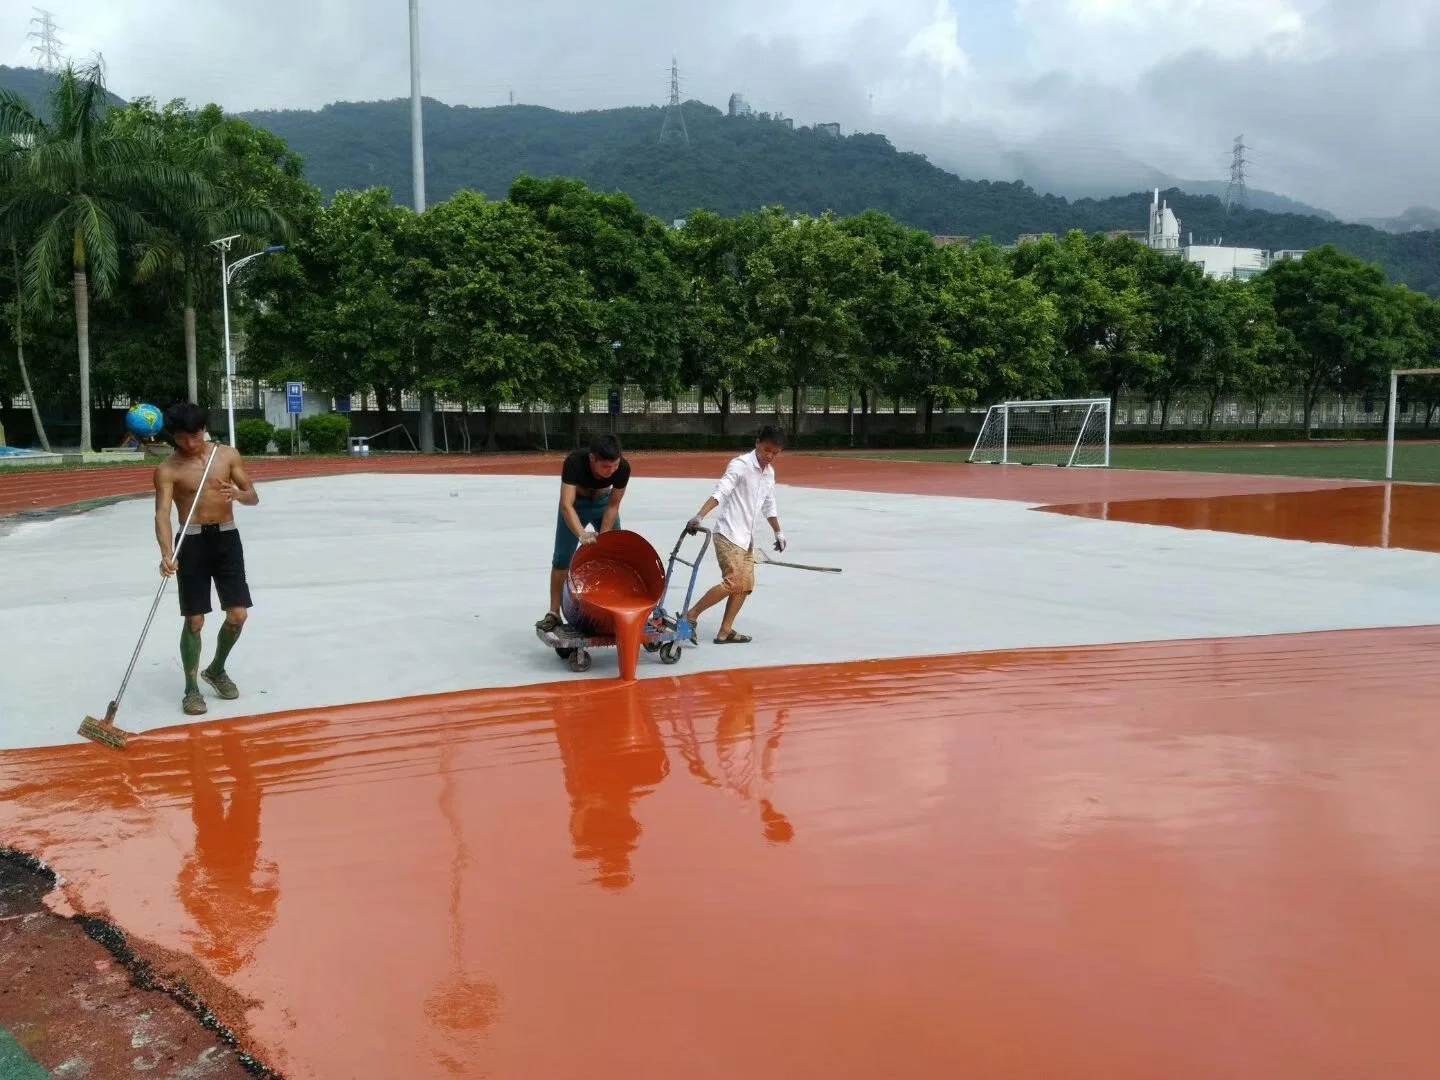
(613, 585)
(1373, 515)
(1180, 860)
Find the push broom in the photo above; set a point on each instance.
(104, 731)
(759, 556)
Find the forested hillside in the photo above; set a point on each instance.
(734, 165)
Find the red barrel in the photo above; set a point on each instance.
(619, 564)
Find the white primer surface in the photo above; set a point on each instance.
(376, 586)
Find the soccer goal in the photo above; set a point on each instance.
(1071, 431)
(1395, 377)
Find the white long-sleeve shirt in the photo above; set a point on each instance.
(746, 494)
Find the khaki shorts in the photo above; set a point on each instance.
(737, 566)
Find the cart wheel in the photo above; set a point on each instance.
(652, 647)
(580, 661)
(670, 653)
(564, 654)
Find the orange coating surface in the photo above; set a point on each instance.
(20, 491)
(1180, 860)
(1372, 515)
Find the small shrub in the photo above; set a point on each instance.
(253, 436)
(326, 433)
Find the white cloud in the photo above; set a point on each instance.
(1336, 96)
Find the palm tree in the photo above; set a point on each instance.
(223, 209)
(82, 191)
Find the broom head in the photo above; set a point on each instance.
(104, 731)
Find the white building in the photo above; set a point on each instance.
(1228, 262)
(1215, 260)
(739, 106)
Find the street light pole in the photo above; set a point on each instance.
(227, 273)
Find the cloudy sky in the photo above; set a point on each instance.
(1337, 99)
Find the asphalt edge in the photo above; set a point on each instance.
(143, 975)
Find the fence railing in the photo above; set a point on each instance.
(1186, 412)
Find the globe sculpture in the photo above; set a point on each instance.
(144, 421)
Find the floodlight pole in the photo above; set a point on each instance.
(417, 182)
(227, 273)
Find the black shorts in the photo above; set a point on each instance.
(213, 554)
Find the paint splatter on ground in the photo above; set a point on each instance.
(1186, 858)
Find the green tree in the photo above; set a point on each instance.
(1419, 348)
(623, 253)
(1002, 331)
(510, 316)
(81, 190)
(1342, 320)
(899, 349)
(716, 336)
(344, 309)
(805, 289)
(1245, 351)
(231, 156)
(1106, 325)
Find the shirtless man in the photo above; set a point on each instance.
(212, 549)
(592, 484)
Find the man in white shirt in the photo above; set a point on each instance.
(744, 495)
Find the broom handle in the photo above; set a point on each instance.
(155, 604)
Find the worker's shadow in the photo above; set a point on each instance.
(229, 891)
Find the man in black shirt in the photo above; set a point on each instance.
(592, 483)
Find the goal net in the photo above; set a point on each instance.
(1073, 431)
(1416, 393)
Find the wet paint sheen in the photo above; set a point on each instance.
(1372, 515)
(1186, 860)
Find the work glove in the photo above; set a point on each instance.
(779, 541)
(692, 526)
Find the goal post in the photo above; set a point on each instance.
(1063, 432)
(1395, 376)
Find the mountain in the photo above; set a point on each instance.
(735, 164)
(33, 85)
(1140, 177)
(1415, 219)
(1258, 199)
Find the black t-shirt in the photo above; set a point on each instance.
(577, 471)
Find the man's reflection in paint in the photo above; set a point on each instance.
(226, 887)
(745, 758)
(612, 754)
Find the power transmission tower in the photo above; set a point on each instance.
(48, 43)
(1236, 193)
(674, 125)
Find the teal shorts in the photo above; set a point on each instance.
(591, 512)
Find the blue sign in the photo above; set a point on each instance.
(342, 403)
(614, 402)
(294, 397)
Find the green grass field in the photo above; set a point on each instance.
(1414, 462)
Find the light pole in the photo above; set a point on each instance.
(227, 274)
(417, 181)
